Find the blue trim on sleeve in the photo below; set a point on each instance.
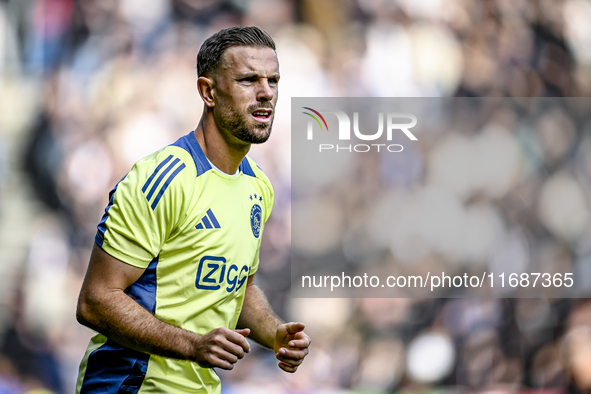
(165, 186)
(155, 172)
(160, 178)
(102, 226)
(190, 144)
(113, 368)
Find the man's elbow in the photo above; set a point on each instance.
(84, 313)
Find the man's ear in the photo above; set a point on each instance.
(205, 86)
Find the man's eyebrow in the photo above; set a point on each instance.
(255, 75)
(247, 75)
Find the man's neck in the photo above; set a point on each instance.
(224, 155)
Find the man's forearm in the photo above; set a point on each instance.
(258, 315)
(121, 319)
(105, 307)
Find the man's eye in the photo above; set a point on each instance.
(248, 79)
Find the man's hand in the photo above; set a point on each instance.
(287, 339)
(291, 345)
(222, 348)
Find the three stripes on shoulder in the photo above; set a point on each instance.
(163, 174)
(209, 221)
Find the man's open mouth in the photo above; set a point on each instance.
(262, 115)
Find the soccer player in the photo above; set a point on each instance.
(170, 277)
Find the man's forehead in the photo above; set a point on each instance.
(248, 58)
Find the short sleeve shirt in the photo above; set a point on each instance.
(197, 233)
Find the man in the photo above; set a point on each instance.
(171, 274)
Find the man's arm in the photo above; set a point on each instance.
(288, 340)
(104, 307)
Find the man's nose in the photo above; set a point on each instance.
(266, 92)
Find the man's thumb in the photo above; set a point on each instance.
(243, 331)
(292, 328)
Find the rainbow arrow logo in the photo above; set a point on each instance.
(315, 118)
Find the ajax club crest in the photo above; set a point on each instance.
(256, 216)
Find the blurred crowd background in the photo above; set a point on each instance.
(87, 87)
(493, 185)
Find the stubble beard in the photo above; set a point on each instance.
(237, 125)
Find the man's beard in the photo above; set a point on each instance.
(236, 124)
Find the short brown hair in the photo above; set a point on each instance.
(210, 54)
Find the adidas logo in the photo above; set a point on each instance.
(208, 221)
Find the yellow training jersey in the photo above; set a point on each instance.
(197, 232)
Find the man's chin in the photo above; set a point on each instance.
(256, 135)
(260, 138)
